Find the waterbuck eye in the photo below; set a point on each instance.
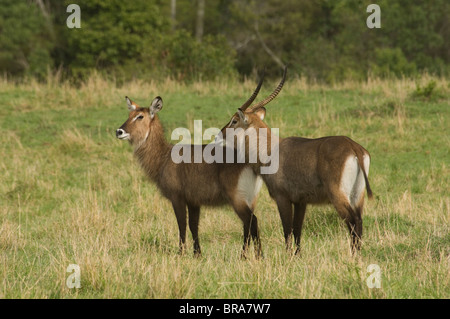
(140, 117)
(233, 122)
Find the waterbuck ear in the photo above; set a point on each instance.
(130, 104)
(242, 116)
(260, 112)
(156, 106)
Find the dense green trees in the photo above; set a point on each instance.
(25, 45)
(323, 39)
(330, 40)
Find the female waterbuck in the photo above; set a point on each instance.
(191, 184)
(330, 169)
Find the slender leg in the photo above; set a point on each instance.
(299, 215)
(194, 216)
(246, 220)
(285, 210)
(354, 226)
(353, 221)
(359, 227)
(250, 227)
(179, 207)
(254, 230)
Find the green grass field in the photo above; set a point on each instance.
(71, 193)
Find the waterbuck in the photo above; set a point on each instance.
(192, 185)
(330, 169)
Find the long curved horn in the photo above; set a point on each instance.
(253, 97)
(274, 93)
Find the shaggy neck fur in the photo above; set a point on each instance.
(154, 151)
(263, 147)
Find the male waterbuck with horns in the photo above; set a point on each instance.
(330, 169)
(192, 184)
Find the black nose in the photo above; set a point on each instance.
(119, 132)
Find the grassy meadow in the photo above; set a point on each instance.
(71, 193)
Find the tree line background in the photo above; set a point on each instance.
(190, 40)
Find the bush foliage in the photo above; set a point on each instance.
(323, 40)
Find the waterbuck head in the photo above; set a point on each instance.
(251, 117)
(137, 128)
